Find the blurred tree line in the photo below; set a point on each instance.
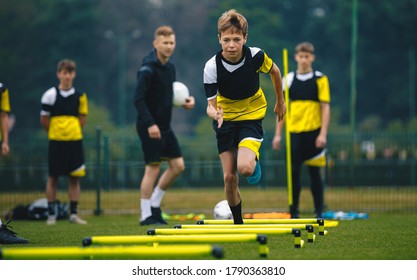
(108, 40)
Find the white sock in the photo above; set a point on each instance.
(157, 196)
(0, 222)
(145, 209)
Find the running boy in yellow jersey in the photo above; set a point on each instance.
(309, 118)
(63, 114)
(237, 104)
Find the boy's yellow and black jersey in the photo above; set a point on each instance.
(306, 92)
(63, 108)
(4, 99)
(236, 86)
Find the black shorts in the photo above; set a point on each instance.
(157, 150)
(231, 135)
(303, 146)
(66, 158)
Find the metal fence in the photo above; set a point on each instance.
(115, 163)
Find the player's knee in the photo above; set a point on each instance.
(152, 170)
(230, 179)
(177, 169)
(180, 168)
(245, 169)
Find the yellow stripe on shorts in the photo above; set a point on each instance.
(79, 172)
(319, 160)
(252, 144)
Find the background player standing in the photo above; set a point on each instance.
(7, 236)
(63, 114)
(237, 104)
(309, 118)
(153, 102)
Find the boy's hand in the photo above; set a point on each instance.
(5, 148)
(215, 114)
(219, 116)
(189, 103)
(280, 109)
(154, 132)
(321, 141)
(276, 142)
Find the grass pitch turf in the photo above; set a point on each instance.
(381, 237)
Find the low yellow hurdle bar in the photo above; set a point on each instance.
(298, 242)
(155, 240)
(318, 221)
(124, 252)
(265, 221)
(309, 228)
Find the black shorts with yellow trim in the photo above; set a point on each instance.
(66, 158)
(232, 135)
(157, 150)
(304, 150)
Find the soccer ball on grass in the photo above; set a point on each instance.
(222, 211)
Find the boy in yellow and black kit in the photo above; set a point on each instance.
(7, 235)
(63, 115)
(237, 104)
(309, 118)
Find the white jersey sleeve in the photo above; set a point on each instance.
(48, 99)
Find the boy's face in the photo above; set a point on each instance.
(232, 44)
(165, 46)
(66, 78)
(304, 61)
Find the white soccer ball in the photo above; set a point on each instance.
(181, 93)
(222, 211)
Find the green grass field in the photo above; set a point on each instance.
(202, 200)
(381, 237)
(388, 234)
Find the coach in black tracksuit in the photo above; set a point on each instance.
(153, 102)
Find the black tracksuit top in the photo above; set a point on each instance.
(154, 92)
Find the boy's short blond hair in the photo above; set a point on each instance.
(304, 47)
(164, 30)
(231, 19)
(66, 64)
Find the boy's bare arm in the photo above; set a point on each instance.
(4, 119)
(4, 126)
(280, 108)
(276, 141)
(321, 140)
(45, 122)
(83, 120)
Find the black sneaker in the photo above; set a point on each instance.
(7, 236)
(295, 215)
(157, 214)
(151, 220)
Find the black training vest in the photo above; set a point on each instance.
(241, 83)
